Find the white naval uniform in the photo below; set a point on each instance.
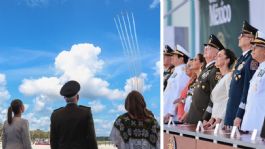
(176, 83)
(255, 107)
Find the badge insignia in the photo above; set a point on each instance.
(218, 76)
(254, 65)
(261, 72)
(240, 66)
(172, 143)
(204, 75)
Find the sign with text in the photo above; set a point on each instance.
(223, 18)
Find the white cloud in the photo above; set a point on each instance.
(4, 94)
(40, 103)
(34, 3)
(3, 114)
(118, 109)
(103, 127)
(157, 68)
(137, 83)
(49, 86)
(154, 4)
(96, 106)
(81, 63)
(38, 122)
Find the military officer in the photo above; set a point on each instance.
(168, 66)
(201, 106)
(255, 106)
(72, 126)
(176, 82)
(244, 69)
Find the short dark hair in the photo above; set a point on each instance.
(185, 58)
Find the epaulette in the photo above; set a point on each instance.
(84, 107)
(58, 109)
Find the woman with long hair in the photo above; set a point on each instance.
(194, 69)
(16, 129)
(137, 128)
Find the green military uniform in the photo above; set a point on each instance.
(201, 105)
(72, 126)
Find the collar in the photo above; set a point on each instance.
(179, 67)
(71, 104)
(262, 64)
(244, 53)
(210, 63)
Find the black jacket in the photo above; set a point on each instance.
(72, 127)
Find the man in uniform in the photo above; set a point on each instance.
(255, 106)
(176, 82)
(72, 126)
(201, 106)
(244, 69)
(168, 66)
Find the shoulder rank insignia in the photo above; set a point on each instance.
(174, 75)
(254, 65)
(218, 76)
(204, 75)
(58, 109)
(261, 72)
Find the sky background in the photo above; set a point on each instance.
(44, 43)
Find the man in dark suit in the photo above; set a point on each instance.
(201, 106)
(244, 69)
(72, 126)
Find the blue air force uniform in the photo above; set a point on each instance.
(244, 69)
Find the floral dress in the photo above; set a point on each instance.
(129, 133)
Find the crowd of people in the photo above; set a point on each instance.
(72, 126)
(216, 87)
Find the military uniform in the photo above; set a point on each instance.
(72, 126)
(255, 106)
(168, 71)
(244, 69)
(201, 106)
(176, 84)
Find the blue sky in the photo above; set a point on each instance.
(43, 43)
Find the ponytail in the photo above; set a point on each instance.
(15, 107)
(9, 115)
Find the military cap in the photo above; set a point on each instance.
(259, 39)
(168, 50)
(248, 29)
(214, 42)
(70, 89)
(179, 50)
